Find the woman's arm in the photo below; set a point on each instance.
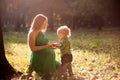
(31, 39)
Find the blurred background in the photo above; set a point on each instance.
(90, 14)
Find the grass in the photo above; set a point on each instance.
(96, 54)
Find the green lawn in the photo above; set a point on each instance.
(96, 54)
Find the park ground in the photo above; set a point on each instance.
(96, 53)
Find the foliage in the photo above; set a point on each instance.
(70, 12)
(96, 54)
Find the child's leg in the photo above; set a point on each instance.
(66, 61)
(70, 69)
(62, 74)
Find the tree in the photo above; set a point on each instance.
(6, 70)
(47, 7)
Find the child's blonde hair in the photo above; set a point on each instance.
(64, 29)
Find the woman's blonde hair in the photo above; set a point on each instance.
(38, 22)
(65, 30)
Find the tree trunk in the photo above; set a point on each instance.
(6, 70)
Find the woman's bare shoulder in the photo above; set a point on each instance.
(32, 34)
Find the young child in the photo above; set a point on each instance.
(64, 33)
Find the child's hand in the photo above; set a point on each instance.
(56, 45)
(52, 46)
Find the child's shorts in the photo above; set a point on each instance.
(66, 58)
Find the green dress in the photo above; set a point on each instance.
(43, 61)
